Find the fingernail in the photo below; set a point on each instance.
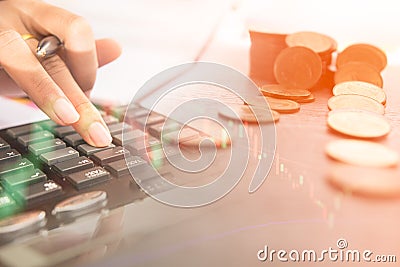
(65, 111)
(99, 134)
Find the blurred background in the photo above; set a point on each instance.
(157, 34)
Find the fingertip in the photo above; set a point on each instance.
(98, 133)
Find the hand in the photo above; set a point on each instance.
(58, 84)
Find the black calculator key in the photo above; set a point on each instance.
(74, 139)
(184, 135)
(158, 155)
(120, 112)
(23, 178)
(38, 192)
(8, 156)
(128, 137)
(88, 177)
(150, 120)
(140, 146)
(156, 186)
(26, 140)
(53, 157)
(23, 130)
(118, 128)
(110, 155)
(21, 165)
(121, 167)
(63, 131)
(3, 145)
(73, 165)
(46, 146)
(89, 150)
(49, 125)
(110, 119)
(132, 115)
(157, 129)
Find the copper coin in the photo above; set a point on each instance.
(358, 123)
(308, 99)
(298, 67)
(364, 53)
(279, 105)
(361, 88)
(319, 43)
(355, 102)
(251, 115)
(208, 142)
(358, 71)
(285, 92)
(370, 182)
(362, 153)
(266, 115)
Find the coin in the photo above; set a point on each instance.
(364, 53)
(298, 67)
(245, 114)
(319, 43)
(207, 142)
(362, 153)
(279, 105)
(355, 102)
(358, 123)
(308, 99)
(281, 91)
(370, 182)
(358, 71)
(361, 88)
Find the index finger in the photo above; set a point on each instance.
(77, 36)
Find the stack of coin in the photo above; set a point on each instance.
(357, 109)
(323, 45)
(297, 68)
(280, 98)
(301, 60)
(265, 47)
(360, 62)
(277, 105)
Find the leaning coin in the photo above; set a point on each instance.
(369, 182)
(364, 53)
(298, 67)
(358, 71)
(279, 105)
(362, 153)
(355, 102)
(245, 114)
(358, 123)
(281, 91)
(360, 88)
